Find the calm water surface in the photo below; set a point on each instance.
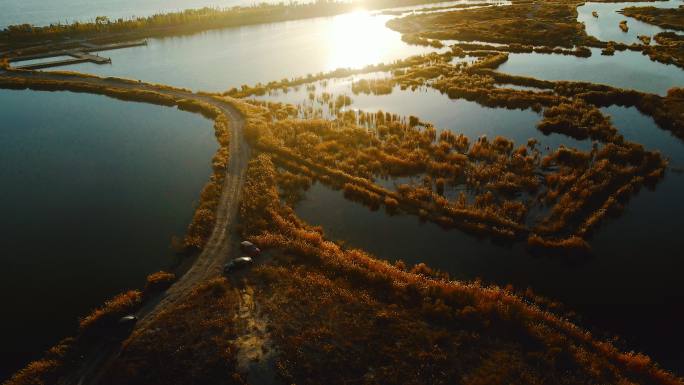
(631, 286)
(92, 191)
(605, 27)
(625, 70)
(459, 116)
(221, 59)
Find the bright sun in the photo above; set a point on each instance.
(356, 39)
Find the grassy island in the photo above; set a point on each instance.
(669, 18)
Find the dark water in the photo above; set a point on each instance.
(630, 287)
(91, 192)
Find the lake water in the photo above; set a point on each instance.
(220, 59)
(625, 70)
(92, 191)
(605, 27)
(460, 116)
(630, 287)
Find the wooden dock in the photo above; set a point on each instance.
(78, 57)
(81, 54)
(90, 47)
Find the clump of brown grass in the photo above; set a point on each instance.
(373, 86)
(578, 120)
(362, 195)
(113, 309)
(191, 341)
(158, 282)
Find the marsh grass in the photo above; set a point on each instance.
(332, 308)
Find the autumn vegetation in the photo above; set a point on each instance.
(538, 27)
(262, 89)
(522, 48)
(373, 86)
(62, 360)
(646, 40)
(159, 281)
(332, 308)
(203, 220)
(476, 82)
(117, 307)
(669, 46)
(355, 149)
(188, 21)
(189, 342)
(669, 49)
(623, 26)
(340, 316)
(609, 50)
(668, 18)
(579, 120)
(417, 40)
(548, 24)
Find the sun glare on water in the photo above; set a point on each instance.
(358, 39)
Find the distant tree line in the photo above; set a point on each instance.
(192, 20)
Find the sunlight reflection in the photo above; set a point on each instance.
(358, 39)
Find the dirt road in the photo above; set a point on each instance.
(221, 244)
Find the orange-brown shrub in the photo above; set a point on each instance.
(113, 309)
(158, 281)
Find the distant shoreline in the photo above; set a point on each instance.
(188, 21)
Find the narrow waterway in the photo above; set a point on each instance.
(605, 27)
(626, 69)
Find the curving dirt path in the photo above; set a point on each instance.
(222, 242)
